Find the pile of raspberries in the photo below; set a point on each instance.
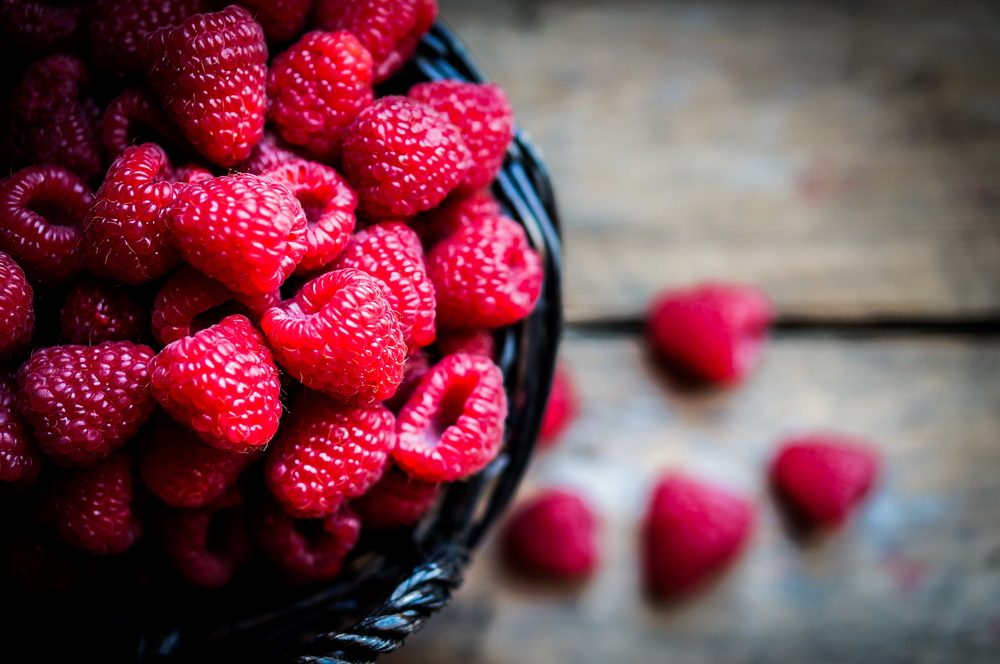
(246, 306)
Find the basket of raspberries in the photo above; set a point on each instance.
(279, 308)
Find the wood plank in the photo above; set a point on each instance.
(914, 577)
(844, 156)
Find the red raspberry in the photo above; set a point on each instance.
(84, 402)
(269, 153)
(91, 508)
(486, 276)
(17, 308)
(414, 369)
(397, 500)
(39, 27)
(118, 29)
(389, 29)
(554, 534)
(328, 453)
(402, 157)
(189, 301)
(391, 252)
(823, 476)
(454, 214)
(133, 118)
(483, 114)
(20, 462)
(207, 546)
(192, 173)
(691, 531)
(125, 233)
(452, 425)
(316, 88)
(561, 409)
(328, 204)
(41, 211)
(307, 550)
(474, 342)
(714, 332)
(222, 383)
(339, 336)
(282, 20)
(243, 230)
(96, 311)
(210, 72)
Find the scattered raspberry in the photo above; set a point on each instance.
(391, 252)
(417, 364)
(691, 531)
(328, 204)
(41, 211)
(207, 546)
(222, 383)
(307, 550)
(95, 311)
(84, 402)
(452, 425)
(554, 534)
(339, 336)
(282, 20)
(210, 73)
(39, 27)
(483, 114)
(454, 214)
(474, 342)
(402, 157)
(485, 276)
(397, 500)
(20, 462)
(714, 331)
(316, 89)
(389, 29)
(17, 308)
(823, 476)
(328, 453)
(269, 153)
(243, 230)
(561, 409)
(134, 118)
(119, 29)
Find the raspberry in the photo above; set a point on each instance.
(328, 204)
(307, 550)
(17, 308)
(243, 230)
(452, 425)
(690, 532)
(39, 565)
(118, 29)
(414, 369)
(125, 233)
(210, 73)
(389, 29)
(96, 311)
(20, 462)
(339, 336)
(84, 402)
(269, 153)
(316, 89)
(391, 252)
(823, 476)
(483, 114)
(207, 546)
(486, 276)
(282, 20)
(402, 157)
(133, 118)
(41, 211)
(454, 214)
(713, 331)
(474, 342)
(192, 173)
(91, 508)
(554, 534)
(327, 453)
(397, 500)
(222, 383)
(561, 409)
(38, 26)
(189, 301)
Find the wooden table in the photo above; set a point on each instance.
(845, 157)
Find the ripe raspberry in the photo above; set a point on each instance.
(209, 72)
(402, 157)
(561, 409)
(454, 214)
(119, 29)
(189, 301)
(41, 211)
(391, 252)
(414, 369)
(282, 20)
(84, 402)
(39, 27)
(474, 342)
(96, 311)
(452, 426)
(691, 531)
(269, 153)
(328, 453)
(307, 550)
(207, 546)
(192, 173)
(397, 500)
(823, 476)
(714, 331)
(485, 276)
(17, 308)
(554, 534)
(328, 204)
(243, 230)
(316, 89)
(389, 29)
(133, 118)
(20, 462)
(339, 336)
(483, 114)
